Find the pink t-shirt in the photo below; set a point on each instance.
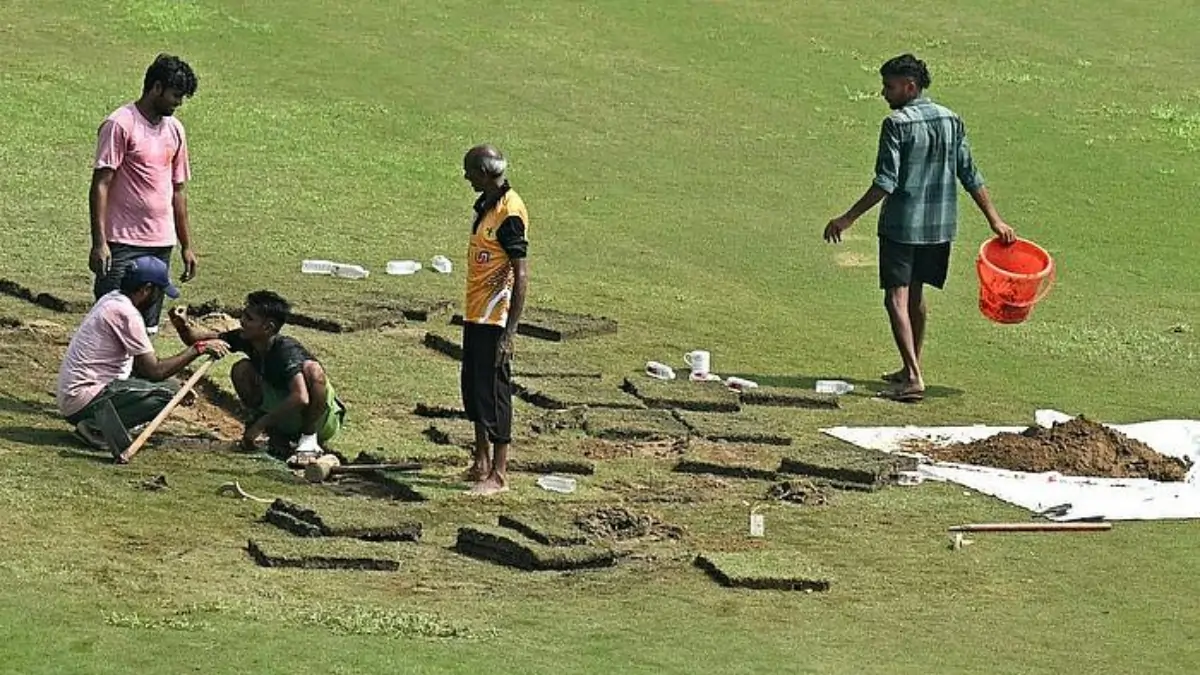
(149, 159)
(101, 351)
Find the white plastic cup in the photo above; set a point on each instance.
(403, 267)
(442, 264)
(660, 371)
(837, 387)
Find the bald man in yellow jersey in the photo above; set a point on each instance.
(497, 278)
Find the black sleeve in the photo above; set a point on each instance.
(511, 236)
(285, 359)
(233, 338)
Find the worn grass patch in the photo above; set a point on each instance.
(843, 464)
(764, 570)
(507, 547)
(733, 460)
(325, 553)
(732, 428)
(543, 528)
(683, 394)
(561, 393)
(633, 425)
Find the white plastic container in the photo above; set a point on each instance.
(740, 384)
(758, 525)
(317, 267)
(909, 478)
(350, 271)
(557, 484)
(837, 387)
(442, 264)
(403, 267)
(659, 371)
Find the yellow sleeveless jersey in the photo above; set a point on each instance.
(489, 269)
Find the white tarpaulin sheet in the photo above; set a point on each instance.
(1106, 498)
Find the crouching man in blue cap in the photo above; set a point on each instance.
(111, 379)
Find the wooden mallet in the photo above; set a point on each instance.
(319, 471)
(138, 442)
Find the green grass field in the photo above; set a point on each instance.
(679, 160)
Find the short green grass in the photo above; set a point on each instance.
(679, 159)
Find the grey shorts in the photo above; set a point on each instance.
(903, 265)
(123, 256)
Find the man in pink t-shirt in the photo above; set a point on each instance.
(138, 198)
(111, 379)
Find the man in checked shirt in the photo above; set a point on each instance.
(923, 150)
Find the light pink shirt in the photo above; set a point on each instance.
(101, 351)
(149, 159)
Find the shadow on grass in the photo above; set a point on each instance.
(12, 404)
(862, 388)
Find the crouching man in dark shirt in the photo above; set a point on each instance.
(284, 387)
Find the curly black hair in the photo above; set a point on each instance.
(171, 72)
(270, 306)
(907, 65)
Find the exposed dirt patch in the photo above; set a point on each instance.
(803, 492)
(47, 300)
(596, 448)
(204, 418)
(1079, 447)
(617, 523)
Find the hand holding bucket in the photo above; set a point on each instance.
(1012, 279)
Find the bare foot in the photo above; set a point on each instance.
(494, 484)
(476, 473)
(895, 377)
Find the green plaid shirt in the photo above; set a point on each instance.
(923, 149)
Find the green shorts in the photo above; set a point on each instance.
(290, 426)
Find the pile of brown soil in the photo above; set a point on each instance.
(1079, 447)
(615, 522)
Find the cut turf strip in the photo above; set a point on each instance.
(683, 395)
(350, 523)
(509, 548)
(844, 465)
(764, 570)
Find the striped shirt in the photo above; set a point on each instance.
(923, 150)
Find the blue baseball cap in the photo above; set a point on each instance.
(150, 270)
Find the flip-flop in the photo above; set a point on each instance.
(902, 396)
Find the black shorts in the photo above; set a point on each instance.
(486, 385)
(123, 256)
(907, 264)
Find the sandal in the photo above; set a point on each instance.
(902, 395)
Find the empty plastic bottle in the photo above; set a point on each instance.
(402, 267)
(442, 264)
(317, 267)
(659, 371)
(837, 387)
(350, 271)
(557, 484)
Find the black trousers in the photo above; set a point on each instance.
(123, 256)
(486, 384)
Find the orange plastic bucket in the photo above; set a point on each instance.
(1012, 279)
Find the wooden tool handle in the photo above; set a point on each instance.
(362, 468)
(158, 420)
(1032, 527)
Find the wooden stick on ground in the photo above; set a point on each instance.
(138, 442)
(1032, 527)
